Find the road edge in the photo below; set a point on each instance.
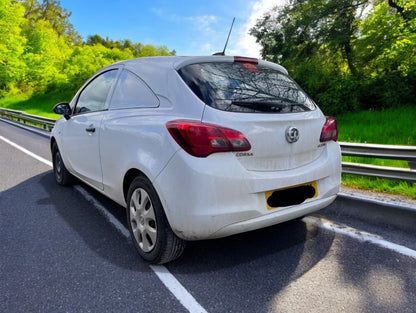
(375, 211)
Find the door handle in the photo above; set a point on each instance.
(90, 129)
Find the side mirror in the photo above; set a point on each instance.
(63, 108)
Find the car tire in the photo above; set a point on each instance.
(149, 228)
(62, 176)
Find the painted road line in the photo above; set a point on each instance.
(171, 283)
(35, 156)
(184, 297)
(103, 211)
(359, 235)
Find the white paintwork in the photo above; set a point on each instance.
(210, 197)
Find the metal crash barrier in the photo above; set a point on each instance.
(28, 119)
(393, 152)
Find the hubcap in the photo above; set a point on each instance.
(143, 220)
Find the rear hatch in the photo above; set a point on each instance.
(259, 99)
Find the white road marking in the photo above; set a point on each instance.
(103, 211)
(171, 283)
(359, 235)
(35, 156)
(177, 289)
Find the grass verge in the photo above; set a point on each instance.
(36, 104)
(394, 126)
(389, 186)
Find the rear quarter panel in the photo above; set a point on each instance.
(133, 140)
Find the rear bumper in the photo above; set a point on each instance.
(215, 197)
(276, 217)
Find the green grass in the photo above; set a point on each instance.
(395, 126)
(36, 104)
(389, 186)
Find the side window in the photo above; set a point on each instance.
(132, 92)
(94, 96)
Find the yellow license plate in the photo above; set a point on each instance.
(292, 195)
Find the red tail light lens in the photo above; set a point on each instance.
(200, 139)
(329, 130)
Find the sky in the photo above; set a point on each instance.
(197, 27)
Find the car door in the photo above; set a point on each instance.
(81, 137)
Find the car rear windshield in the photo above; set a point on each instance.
(245, 87)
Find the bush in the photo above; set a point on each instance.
(387, 91)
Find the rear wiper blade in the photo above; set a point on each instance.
(265, 106)
(300, 105)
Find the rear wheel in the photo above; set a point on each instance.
(152, 236)
(62, 176)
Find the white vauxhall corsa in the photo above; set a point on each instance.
(198, 148)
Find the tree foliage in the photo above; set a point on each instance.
(40, 51)
(348, 54)
(12, 44)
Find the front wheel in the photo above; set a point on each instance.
(62, 176)
(152, 236)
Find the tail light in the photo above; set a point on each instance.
(329, 130)
(200, 139)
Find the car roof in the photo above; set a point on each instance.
(177, 62)
(159, 72)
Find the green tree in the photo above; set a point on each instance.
(386, 50)
(95, 39)
(83, 62)
(347, 54)
(302, 27)
(12, 44)
(388, 39)
(45, 55)
(40, 51)
(55, 14)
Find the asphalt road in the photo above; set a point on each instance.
(60, 253)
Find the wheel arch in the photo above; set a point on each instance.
(164, 246)
(52, 142)
(130, 175)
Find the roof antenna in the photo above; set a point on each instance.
(226, 43)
